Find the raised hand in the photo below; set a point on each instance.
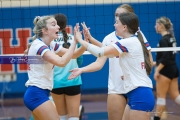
(77, 33)
(75, 72)
(86, 32)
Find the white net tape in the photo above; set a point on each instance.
(87, 52)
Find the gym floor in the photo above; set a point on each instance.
(94, 104)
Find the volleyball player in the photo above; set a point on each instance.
(116, 100)
(66, 94)
(36, 97)
(166, 72)
(134, 61)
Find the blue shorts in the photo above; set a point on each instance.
(142, 99)
(35, 96)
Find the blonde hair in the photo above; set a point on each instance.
(167, 24)
(39, 24)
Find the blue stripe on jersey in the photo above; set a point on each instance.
(41, 49)
(56, 47)
(123, 48)
(147, 44)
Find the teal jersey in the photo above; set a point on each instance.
(61, 74)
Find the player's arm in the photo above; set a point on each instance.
(95, 42)
(87, 35)
(95, 66)
(95, 50)
(157, 70)
(60, 61)
(109, 50)
(159, 67)
(163, 60)
(76, 53)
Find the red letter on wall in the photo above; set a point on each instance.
(6, 37)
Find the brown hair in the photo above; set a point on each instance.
(127, 7)
(131, 21)
(62, 22)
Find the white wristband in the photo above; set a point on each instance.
(96, 51)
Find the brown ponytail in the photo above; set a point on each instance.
(62, 22)
(146, 54)
(65, 36)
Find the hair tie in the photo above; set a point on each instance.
(38, 17)
(138, 29)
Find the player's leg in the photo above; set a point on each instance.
(73, 97)
(135, 114)
(138, 115)
(162, 86)
(60, 103)
(116, 104)
(126, 113)
(46, 111)
(34, 117)
(37, 100)
(174, 91)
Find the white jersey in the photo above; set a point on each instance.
(131, 60)
(41, 75)
(115, 72)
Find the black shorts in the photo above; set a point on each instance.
(71, 90)
(170, 71)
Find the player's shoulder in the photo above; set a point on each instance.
(129, 40)
(38, 42)
(112, 34)
(38, 45)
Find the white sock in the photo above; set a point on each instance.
(63, 117)
(73, 118)
(177, 100)
(80, 107)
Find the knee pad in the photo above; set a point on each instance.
(177, 100)
(161, 101)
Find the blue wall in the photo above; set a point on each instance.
(100, 18)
